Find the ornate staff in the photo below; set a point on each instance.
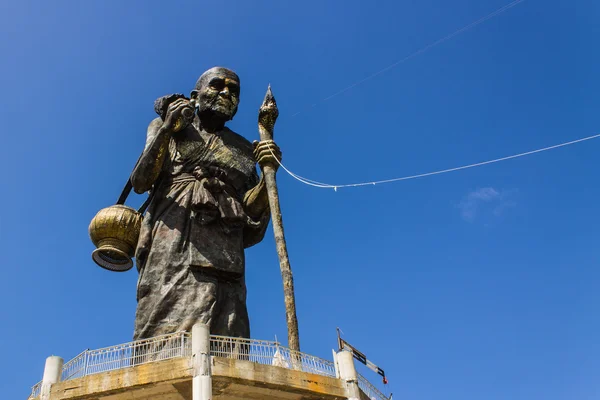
(267, 115)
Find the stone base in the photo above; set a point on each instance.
(172, 380)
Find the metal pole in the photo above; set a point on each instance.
(182, 344)
(267, 116)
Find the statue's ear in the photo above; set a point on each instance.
(194, 95)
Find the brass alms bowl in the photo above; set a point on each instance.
(115, 231)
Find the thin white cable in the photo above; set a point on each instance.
(310, 182)
(420, 51)
(301, 178)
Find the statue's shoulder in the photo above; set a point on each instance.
(155, 123)
(232, 138)
(153, 127)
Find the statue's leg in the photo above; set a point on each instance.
(188, 297)
(232, 319)
(176, 304)
(201, 300)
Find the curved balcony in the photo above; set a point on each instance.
(161, 368)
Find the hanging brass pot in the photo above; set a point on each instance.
(115, 231)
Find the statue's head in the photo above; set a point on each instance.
(217, 93)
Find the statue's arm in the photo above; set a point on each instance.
(256, 205)
(256, 200)
(150, 163)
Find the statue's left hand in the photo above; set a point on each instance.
(266, 152)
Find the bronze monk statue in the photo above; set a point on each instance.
(208, 205)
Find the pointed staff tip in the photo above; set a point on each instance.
(269, 96)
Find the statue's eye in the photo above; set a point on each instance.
(234, 89)
(217, 84)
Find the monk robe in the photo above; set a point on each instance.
(190, 255)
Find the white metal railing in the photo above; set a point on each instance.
(135, 353)
(36, 390)
(371, 391)
(74, 368)
(269, 353)
(179, 345)
(124, 355)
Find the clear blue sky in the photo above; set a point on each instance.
(480, 284)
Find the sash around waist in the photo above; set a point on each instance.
(212, 198)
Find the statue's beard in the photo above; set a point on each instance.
(218, 107)
(222, 109)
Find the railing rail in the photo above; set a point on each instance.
(139, 352)
(369, 389)
(269, 353)
(124, 355)
(36, 390)
(74, 368)
(179, 345)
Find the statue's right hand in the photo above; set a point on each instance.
(179, 114)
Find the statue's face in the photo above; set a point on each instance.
(219, 94)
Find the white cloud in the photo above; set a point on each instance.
(485, 199)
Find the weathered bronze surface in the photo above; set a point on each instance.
(208, 205)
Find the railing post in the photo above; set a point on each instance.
(295, 360)
(85, 362)
(348, 373)
(52, 373)
(201, 363)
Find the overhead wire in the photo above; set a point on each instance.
(481, 20)
(323, 185)
(420, 51)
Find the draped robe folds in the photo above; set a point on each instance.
(190, 254)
